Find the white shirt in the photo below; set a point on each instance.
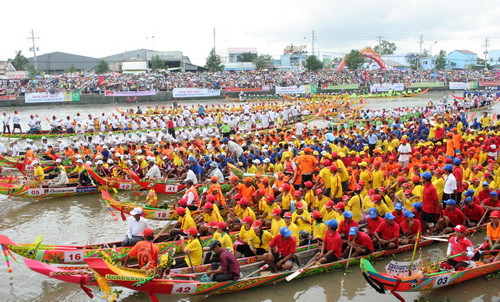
(154, 172)
(135, 228)
(234, 148)
(191, 176)
(217, 172)
(450, 184)
(404, 148)
(62, 179)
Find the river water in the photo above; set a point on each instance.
(85, 220)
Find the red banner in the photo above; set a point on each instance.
(489, 83)
(8, 97)
(238, 89)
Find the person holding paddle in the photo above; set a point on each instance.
(145, 251)
(459, 244)
(281, 251)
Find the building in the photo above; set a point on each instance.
(57, 62)
(231, 54)
(239, 66)
(494, 58)
(134, 65)
(293, 58)
(7, 70)
(461, 59)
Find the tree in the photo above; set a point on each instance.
(32, 72)
(157, 63)
(480, 65)
(354, 60)
(71, 69)
(214, 62)
(263, 61)
(246, 57)
(413, 59)
(440, 62)
(20, 62)
(313, 63)
(102, 67)
(385, 48)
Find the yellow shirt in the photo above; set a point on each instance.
(344, 175)
(382, 208)
(328, 214)
(319, 230)
(354, 205)
(264, 241)
(212, 216)
(325, 174)
(301, 224)
(418, 191)
(225, 240)
(309, 197)
(246, 212)
(276, 225)
(295, 232)
(285, 200)
(336, 184)
(187, 222)
(245, 234)
(378, 179)
(39, 174)
(195, 251)
(439, 185)
(79, 169)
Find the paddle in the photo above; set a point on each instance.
(414, 251)
(190, 262)
(480, 221)
(348, 261)
(265, 266)
(435, 238)
(162, 231)
(298, 272)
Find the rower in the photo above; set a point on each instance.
(281, 251)
(459, 245)
(244, 239)
(473, 212)
(38, 172)
(331, 249)
(360, 242)
(135, 227)
(192, 249)
(387, 233)
(184, 222)
(227, 269)
(409, 228)
(493, 233)
(452, 216)
(153, 171)
(61, 180)
(260, 241)
(145, 251)
(193, 200)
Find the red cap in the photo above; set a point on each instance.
(193, 231)
(148, 232)
(182, 202)
(339, 206)
(382, 189)
(180, 211)
(316, 214)
(495, 214)
(210, 198)
(237, 196)
(243, 201)
(269, 198)
(276, 211)
(308, 184)
(221, 225)
(287, 215)
(297, 193)
(335, 154)
(212, 224)
(247, 219)
(345, 197)
(460, 228)
(371, 192)
(299, 205)
(329, 204)
(208, 206)
(408, 191)
(377, 163)
(256, 224)
(285, 186)
(377, 197)
(334, 167)
(401, 179)
(259, 192)
(326, 162)
(415, 178)
(318, 191)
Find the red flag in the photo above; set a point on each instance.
(101, 79)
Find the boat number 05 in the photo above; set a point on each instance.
(70, 257)
(183, 288)
(442, 280)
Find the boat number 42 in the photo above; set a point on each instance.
(183, 288)
(442, 280)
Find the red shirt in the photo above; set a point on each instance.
(491, 203)
(459, 246)
(399, 217)
(388, 232)
(456, 216)
(284, 247)
(364, 240)
(373, 223)
(484, 194)
(459, 173)
(474, 212)
(344, 228)
(429, 198)
(333, 242)
(417, 226)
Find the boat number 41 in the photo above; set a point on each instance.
(442, 280)
(183, 288)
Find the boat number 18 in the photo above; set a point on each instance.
(183, 288)
(442, 280)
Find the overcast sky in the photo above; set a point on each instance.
(101, 28)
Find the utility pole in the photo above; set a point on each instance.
(486, 44)
(214, 38)
(313, 42)
(33, 48)
(420, 54)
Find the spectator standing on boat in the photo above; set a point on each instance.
(228, 268)
(135, 227)
(281, 251)
(145, 251)
(459, 245)
(17, 122)
(6, 122)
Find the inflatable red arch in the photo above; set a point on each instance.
(367, 52)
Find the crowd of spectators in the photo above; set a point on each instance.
(220, 80)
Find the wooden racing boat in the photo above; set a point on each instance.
(159, 187)
(420, 282)
(25, 191)
(111, 182)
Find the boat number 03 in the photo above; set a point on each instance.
(76, 256)
(442, 280)
(162, 214)
(183, 288)
(125, 186)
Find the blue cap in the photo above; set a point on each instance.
(285, 232)
(372, 212)
(457, 161)
(191, 159)
(417, 205)
(426, 175)
(398, 206)
(332, 223)
(494, 193)
(347, 214)
(353, 231)
(468, 199)
(448, 167)
(486, 183)
(389, 216)
(451, 202)
(224, 140)
(409, 214)
(469, 192)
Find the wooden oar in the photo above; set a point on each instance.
(414, 251)
(480, 221)
(298, 272)
(348, 261)
(265, 266)
(163, 231)
(190, 262)
(435, 238)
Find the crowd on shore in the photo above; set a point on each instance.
(243, 79)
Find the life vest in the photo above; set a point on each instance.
(196, 200)
(289, 167)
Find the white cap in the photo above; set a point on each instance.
(267, 160)
(58, 160)
(112, 149)
(136, 211)
(100, 162)
(43, 137)
(88, 163)
(110, 161)
(79, 161)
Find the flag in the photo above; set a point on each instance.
(101, 79)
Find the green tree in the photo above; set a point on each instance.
(440, 62)
(157, 63)
(71, 69)
(102, 67)
(385, 48)
(413, 59)
(214, 62)
(32, 72)
(246, 57)
(263, 61)
(313, 63)
(354, 60)
(20, 62)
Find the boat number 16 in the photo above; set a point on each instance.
(183, 288)
(442, 280)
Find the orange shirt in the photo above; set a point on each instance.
(145, 251)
